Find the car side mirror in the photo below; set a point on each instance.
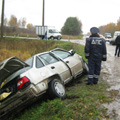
(72, 52)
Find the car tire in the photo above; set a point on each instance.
(56, 89)
(58, 38)
(52, 38)
(85, 67)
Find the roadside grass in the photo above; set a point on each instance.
(24, 48)
(82, 102)
(72, 37)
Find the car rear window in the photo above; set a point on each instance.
(39, 63)
(29, 61)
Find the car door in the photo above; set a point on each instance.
(72, 60)
(56, 66)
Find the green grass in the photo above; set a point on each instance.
(72, 37)
(82, 102)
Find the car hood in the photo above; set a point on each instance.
(9, 66)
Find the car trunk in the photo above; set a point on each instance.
(8, 89)
(10, 70)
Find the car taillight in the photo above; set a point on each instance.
(22, 82)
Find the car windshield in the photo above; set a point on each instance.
(62, 54)
(108, 34)
(117, 34)
(53, 31)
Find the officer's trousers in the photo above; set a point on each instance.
(117, 50)
(94, 70)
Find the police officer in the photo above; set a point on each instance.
(95, 52)
(117, 42)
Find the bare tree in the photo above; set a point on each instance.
(5, 22)
(13, 21)
(23, 22)
(118, 24)
(30, 26)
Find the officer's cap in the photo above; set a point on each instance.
(94, 30)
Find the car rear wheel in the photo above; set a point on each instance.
(56, 89)
(52, 38)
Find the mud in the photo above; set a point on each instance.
(110, 72)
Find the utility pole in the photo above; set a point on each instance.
(43, 13)
(2, 19)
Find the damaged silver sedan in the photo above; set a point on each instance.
(22, 83)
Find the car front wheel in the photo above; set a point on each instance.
(59, 38)
(56, 89)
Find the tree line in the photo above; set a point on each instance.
(111, 27)
(72, 26)
(18, 27)
(14, 22)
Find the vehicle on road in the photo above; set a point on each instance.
(87, 35)
(112, 40)
(47, 32)
(22, 83)
(108, 36)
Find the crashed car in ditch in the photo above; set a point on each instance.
(22, 83)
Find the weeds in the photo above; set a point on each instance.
(24, 49)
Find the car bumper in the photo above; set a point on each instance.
(22, 98)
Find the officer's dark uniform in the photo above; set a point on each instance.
(95, 52)
(117, 42)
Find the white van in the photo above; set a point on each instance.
(48, 32)
(112, 41)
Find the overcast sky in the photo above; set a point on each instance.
(89, 12)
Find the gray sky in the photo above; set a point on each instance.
(89, 12)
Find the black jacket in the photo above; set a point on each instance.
(95, 48)
(117, 40)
